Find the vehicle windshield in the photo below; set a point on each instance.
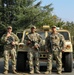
(66, 35)
(42, 35)
(20, 34)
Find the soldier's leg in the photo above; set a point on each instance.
(49, 63)
(13, 59)
(30, 59)
(58, 57)
(6, 61)
(36, 62)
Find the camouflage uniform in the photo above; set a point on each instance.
(32, 52)
(9, 50)
(55, 44)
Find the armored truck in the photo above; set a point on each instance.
(67, 55)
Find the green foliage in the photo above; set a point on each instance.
(20, 14)
(69, 26)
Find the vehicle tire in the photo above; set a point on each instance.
(43, 68)
(68, 64)
(21, 61)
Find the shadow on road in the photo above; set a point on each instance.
(2, 66)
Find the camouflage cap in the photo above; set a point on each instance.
(53, 26)
(9, 27)
(33, 27)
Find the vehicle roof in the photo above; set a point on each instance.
(41, 30)
(62, 30)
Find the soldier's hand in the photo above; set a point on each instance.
(46, 50)
(28, 42)
(13, 43)
(33, 46)
(36, 46)
(62, 50)
(8, 34)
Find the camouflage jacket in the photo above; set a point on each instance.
(35, 37)
(4, 39)
(54, 41)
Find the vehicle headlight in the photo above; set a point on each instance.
(21, 46)
(68, 46)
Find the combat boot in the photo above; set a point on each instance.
(14, 71)
(6, 72)
(32, 71)
(48, 72)
(59, 72)
(38, 72)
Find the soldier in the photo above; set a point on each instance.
(9, 39)
(55, 45)
(33, 40)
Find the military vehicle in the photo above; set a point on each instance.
(72, 39)
(67, 55)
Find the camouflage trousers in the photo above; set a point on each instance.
(7, 55)
(31, 55)
(57, 56)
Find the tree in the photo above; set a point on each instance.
(27, 13)
(20, 14)
(70, 26)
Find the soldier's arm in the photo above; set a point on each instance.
(3, 39)
(26, 37)
(16, 38)
(27, 40)
(39, 37)
(47, 44)
(62, 42)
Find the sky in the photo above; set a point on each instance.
(64, 9)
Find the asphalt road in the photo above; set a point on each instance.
(26, 73)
